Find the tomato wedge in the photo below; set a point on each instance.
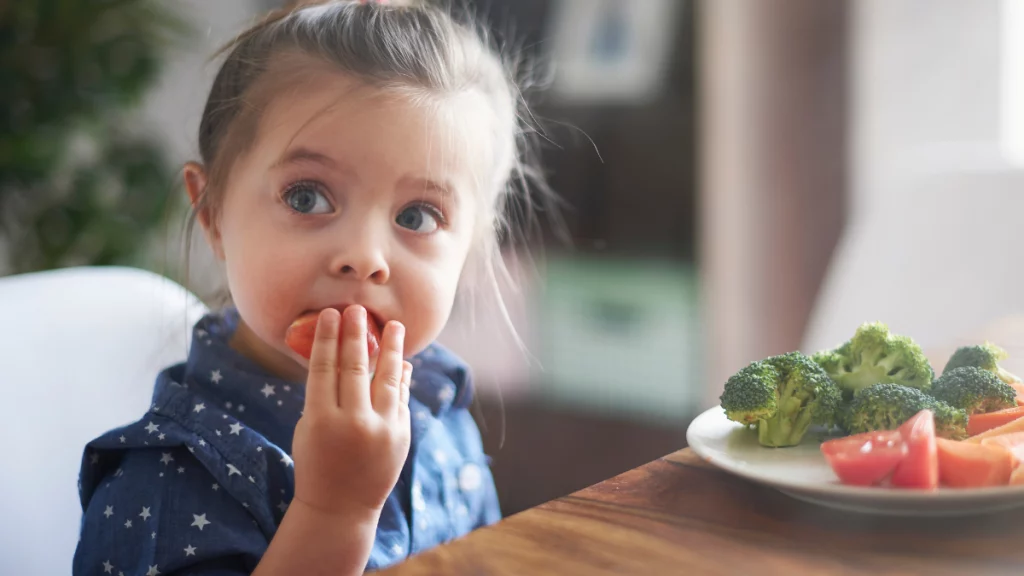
(919, 469)
(865, 459)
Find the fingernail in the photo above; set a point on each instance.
(359, 316)
(399, 330)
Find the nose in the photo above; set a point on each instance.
(361, 257)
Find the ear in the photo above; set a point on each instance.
(195, 183)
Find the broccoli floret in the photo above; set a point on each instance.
(876, 356)
(985, 356)
(781, 397)
(974, 389)
(887, 406)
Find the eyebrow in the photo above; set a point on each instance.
(445, 189)
(296, 155)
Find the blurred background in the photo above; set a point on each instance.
(742, 179)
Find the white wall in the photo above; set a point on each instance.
(932, 246)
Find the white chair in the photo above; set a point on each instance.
(79, 352)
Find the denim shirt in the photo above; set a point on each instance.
(201, 482)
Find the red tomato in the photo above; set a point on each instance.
(865, 459)
(920, 467)
(300, 335)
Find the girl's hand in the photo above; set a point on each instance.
(353, 437)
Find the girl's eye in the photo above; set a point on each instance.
(305, 198)
(419, 218)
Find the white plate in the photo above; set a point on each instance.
(802, 472)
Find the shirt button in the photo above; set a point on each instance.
(469, 477)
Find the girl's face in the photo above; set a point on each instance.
(347, 196)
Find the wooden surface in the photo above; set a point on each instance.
(679, 515)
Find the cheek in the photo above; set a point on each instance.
(266, 284)
(427, 303)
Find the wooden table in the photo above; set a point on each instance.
(680, 515)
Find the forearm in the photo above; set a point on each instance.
(311, 541)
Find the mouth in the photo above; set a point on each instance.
(302, 331)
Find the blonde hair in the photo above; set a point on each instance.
(414, 49)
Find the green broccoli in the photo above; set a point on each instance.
(781, 397)
(887, 406)
(985, 356)
(876, 356)
(974, 389)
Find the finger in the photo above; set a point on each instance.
(354, 381)
(388, 378)
(322, 383)
(403, 397)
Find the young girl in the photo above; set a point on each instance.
(355, 162)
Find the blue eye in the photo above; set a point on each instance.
(419, 218)
(305, 198)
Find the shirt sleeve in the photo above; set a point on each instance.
(161, 512)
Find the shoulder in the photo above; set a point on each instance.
(441, 380)
(186, 446)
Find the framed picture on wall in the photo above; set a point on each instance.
(611, 51)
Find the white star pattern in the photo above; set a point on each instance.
(225, 416)
(161, 474)
(166, 458)
(218, 432)
(251, 479)
(108, 567)
(215, 376)
(282, 506)
(199, 407)
(152, 428)
(233, 470)
(202, 442)
(162, 436)
(446, 394)
(181, 469)
(127, 523)
(95, 458)
(469, 477)
(397, 548)
(200, 521)
(217, 486)
(201, 333)
(418, 503)
(286, 460)
(259, 448)
(287, 388)
(462, 510)
(267, 391)
(190, 550)
(145, 513)
(280, 402)
(440, 457)
(241, 407)
(236, 429)
(192, 449)
(109, 511)
(421, 414)
(119, 472)
(153, 536)
(153, 571)
(245, 504)
(123, 439)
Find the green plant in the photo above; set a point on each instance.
(80, 183)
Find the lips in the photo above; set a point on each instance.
(301, 333)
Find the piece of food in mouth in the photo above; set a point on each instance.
(300, 334)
